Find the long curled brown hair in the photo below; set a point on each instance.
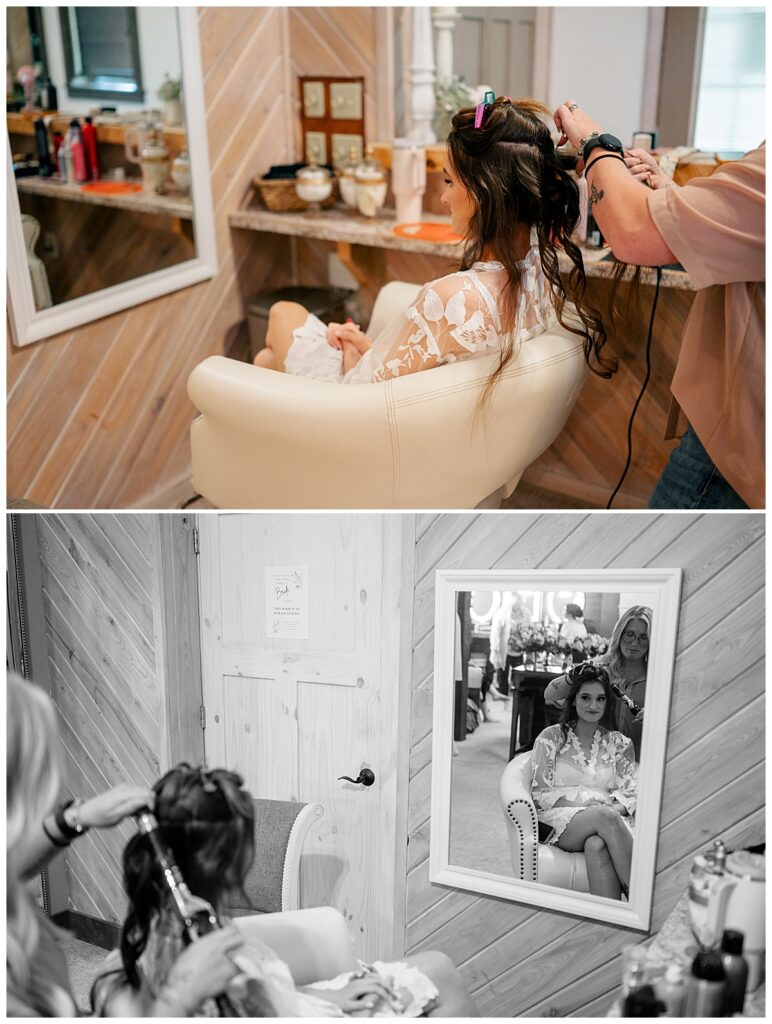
(511, 170)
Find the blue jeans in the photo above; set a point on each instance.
(690, 480)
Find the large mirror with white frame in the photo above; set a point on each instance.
(551, 705)
(108, 183)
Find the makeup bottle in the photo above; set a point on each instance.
(736, 968)
(64, 157)
(41, 145)
(79, 172)
(90, 146)
(671, 989)
(707, 984)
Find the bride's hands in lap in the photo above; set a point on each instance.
(340, 334)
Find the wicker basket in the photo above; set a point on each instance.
(279, 195)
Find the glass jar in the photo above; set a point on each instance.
(313, 184)
(371, 185)
(346, 180)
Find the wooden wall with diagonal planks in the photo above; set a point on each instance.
(99, 417)
(120, 614)
(517, 960)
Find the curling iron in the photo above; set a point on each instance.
(198, 917)
(635, 709)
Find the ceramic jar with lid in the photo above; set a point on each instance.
(371, 185)
(181, 170)
(313, 184)
(154, 161)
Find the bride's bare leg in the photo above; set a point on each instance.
(283, 319)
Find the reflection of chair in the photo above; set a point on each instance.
(41, 292)
(273, 882)
(271, 440)
(533, 861)
(314, 943)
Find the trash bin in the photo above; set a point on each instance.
(329, 304)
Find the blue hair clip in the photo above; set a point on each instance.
(482, 108)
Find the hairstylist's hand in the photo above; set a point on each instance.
(644, 167)
(201, 971)
(107, 809)
(574, 124)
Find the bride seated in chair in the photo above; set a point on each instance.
(585, 783)
(515, 206)
(207, 819)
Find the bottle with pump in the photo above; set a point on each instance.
(707, 985)
(736, 969)
(90, 147)
(78, 152)
(672, 990)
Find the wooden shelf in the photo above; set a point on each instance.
(24, 124)
(346, 227)
(136, 202)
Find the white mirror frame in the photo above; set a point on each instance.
(27, 323)
(664, 588)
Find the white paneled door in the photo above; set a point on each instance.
(300, 648)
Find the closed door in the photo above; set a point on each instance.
(494, 45)
(300, 687)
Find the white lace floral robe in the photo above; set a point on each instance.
(456, 317)
(563, 772)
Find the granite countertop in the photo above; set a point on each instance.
(137, 202)
(340, 224)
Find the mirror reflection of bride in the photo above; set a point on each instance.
(584, 783)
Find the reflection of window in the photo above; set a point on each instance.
(730, 103)
(101, 52)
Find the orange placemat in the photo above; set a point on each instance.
(427, 231)
(112, 188)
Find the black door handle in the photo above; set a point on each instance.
(365, 778)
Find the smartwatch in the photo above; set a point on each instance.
(602, 141)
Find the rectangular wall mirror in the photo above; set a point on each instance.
(547, 779)
(89, 237)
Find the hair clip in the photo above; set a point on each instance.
(208, 783)
(482, 108)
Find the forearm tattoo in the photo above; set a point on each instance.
(596, 194)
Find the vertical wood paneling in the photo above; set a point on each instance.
(518, 960)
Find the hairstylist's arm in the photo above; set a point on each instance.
(101, 811)
(617, 200)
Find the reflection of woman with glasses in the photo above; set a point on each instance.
(626, 662)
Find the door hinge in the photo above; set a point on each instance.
(202, 716)
(196, 541)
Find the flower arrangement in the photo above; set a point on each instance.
(543, 638)
(169, 89)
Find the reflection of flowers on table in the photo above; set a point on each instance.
(543, 642)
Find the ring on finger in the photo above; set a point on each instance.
(572, 107)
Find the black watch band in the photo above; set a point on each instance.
(68, 831)
(602, 141)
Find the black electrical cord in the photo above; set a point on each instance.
(640, 394)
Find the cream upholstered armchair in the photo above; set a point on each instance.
(270, 440)
(314, 943)
(533, 861)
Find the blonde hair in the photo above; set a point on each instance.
(613, 659)
(33, 776)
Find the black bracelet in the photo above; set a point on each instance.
(606, 156)
(53, 839)
(68, 831)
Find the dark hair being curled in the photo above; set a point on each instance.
(578, 676)
(207, 820)
(510, 168)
